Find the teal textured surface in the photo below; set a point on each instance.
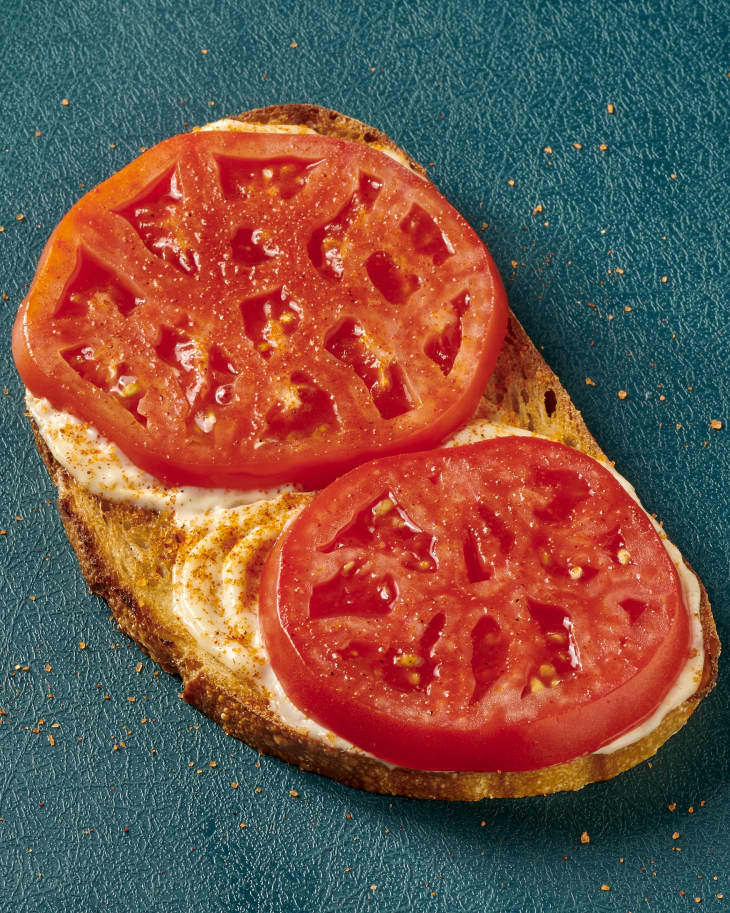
(616, 262)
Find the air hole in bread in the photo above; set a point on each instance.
(551, 403)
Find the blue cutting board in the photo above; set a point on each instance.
(621, 276)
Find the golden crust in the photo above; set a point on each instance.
(127, 555)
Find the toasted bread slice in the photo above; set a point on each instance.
(127, 555)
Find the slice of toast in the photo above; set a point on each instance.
(127, 555)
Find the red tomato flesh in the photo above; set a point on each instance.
(500, 606)
(248, 309)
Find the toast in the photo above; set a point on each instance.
(127, 555)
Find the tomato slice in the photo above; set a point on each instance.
(500, 606)
(244, 309)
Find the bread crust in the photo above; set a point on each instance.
(127, 555)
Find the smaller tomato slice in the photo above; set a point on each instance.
(500, 606)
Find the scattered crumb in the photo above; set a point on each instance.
(622, 394)
(234, 785)
(585, 837)
(605, 887)
(294, 794)
(675, 835)
(51, 739)
(548, 149)
(204, 50)
(577, 146)
(537, 209)
(665, 279)
(716, 424)
(672, 806)
(138, 667)
(610, 108)
(294, 45)
(82, 645)
(65, 102)
(511, 182)
(603, 147)
(20, 217)
(590, 383)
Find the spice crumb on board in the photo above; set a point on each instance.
(605, 887)
(622, 394)
(716, 424)
(610, 108)
(65, 102)
(294, 794)
(585, 837)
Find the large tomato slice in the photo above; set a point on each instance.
(244, 309)
(500, 606)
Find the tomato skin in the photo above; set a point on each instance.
(438, 729)
(159, 281)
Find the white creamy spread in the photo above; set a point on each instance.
(239, 126)
(228, 534)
